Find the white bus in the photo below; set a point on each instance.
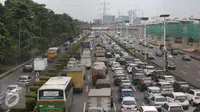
(56, 95)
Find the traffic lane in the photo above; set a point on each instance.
(80, 99)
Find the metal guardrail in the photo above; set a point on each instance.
(15, 68)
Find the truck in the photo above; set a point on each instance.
(78, 75)
(100, 100)
(40, 64)
(98, 71)
(100, 53)
(86, 61)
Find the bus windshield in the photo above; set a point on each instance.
(51, 94)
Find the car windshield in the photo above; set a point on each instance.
(22, 78)
(170, 78)
(11, 88)
(167, 86)
(129, 59)
(127, 93)
(116, 64)
(147, 80)
(118, 70)
(155, 91)
(176, 109)
(197, 94)
(184, 85)
(129, 102)
(161, 99)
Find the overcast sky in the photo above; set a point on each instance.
(87, 10)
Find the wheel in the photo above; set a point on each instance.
(192, 103)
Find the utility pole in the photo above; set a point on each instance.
(104, 9)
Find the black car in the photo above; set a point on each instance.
(121, 60)
(136, 77)
(144, 83)
(159, 53)
(186, 57)
(108, 55)
(174, 52)
(180, 86)
(157, 74)
(28, 68)
(171, 65)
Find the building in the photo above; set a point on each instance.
(122, 18)
(108, 19)
(97, 22)
(131, 15)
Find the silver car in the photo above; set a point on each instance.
(24, 80)
(157, 101)
(150, 92)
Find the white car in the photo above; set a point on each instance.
(14, 89)
(148, 109)
(118, 69)
(168, 78)
(150, 92)
(148, 70)
(157, 101)
(128, 104)
(110, 61)
(115, 65)
(130, 67)
(24, 80)
(193, 95)
(180, 98)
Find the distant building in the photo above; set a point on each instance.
(97, 22)
(122, 18)
(131, 15)
(108, 19)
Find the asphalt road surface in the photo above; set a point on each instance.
(188, 70)
(80, 100)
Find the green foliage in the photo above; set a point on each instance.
(44, 77)
(34, 88)
(53, 70)
(35, 38)
(62, 63)
(30, 104)
(50, 74)
(40, 83)
(31, 94)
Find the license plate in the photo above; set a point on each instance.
(129, 108)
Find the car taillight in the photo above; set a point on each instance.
(175, 99)
(122, 107)
(131, 86)
(94, 78)
(64, 109)
(142, 81)
(122, 86)
(196, 97)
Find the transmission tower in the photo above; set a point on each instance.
(105, 7)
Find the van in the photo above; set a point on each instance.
(166, 88)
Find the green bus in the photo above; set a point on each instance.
(56, 95)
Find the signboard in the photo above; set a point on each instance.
(37, 77)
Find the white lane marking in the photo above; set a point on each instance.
(89, 77)
(86, 89)
(127, 77)
(143, 104)
(187, 66)
(114, 107)
(134, 89)
(183, 72)
(84, 106)
(107, 77)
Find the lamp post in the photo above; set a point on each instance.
(145, 38)
(41, 26)
(164, 39)
(20, 24)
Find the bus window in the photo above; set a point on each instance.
(69, 88)
(51, 94)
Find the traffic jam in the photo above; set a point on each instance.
(127, 84)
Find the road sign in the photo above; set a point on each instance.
(37, 74)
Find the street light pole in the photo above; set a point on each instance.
(145, 42)
(164, 39)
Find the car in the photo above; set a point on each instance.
(147, 109)
(159, 53)
(118, 79)
(144, 83)
(181, 86)
(116, 75)
(126, 86)
(108, 55)
(115, 65)
(128, 104)
(157, 101)
(14, 89)
(148, 70)
(180, 98)
(130, 67)
(157, 74)
(174, 52)
(150, 46)
(121, 61)
(172, 107)
(193, 95)
(150, 56)
(136, 77)
(110, 61)
(25, 80)
(129, 59)
(118, 70)
(186, 57)
(166, 88)
(150, 92)
(171, 65)
(125, 93)
(168, 78)
(140, 67)
(28, 68)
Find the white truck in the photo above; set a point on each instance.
(100, 100)
(40, 64)
(86, 61)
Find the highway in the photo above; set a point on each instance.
(80, 99)
(188, 70)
